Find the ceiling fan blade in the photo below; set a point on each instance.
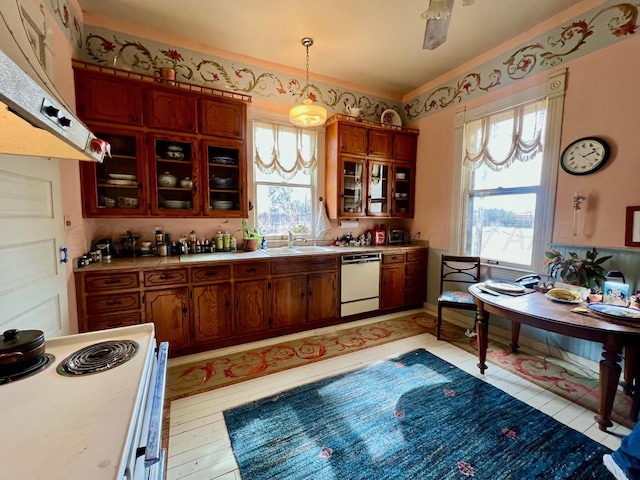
(435, 33)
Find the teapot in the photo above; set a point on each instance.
(352, 111)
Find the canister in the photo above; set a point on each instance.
(219, 242)
(226, 241)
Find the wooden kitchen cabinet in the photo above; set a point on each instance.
(304, 290)
(171, 110)
(168, 309)
(212, 315)
(405, 146)
(415, 279)
(103, 98)
(222, 118)
(251, 306)
(392, 280)
(403, 188)
(361, 160)
(288, 301)
(206, 127)
(322, 297)
(118, 185)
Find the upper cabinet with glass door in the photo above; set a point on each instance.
(224, 179)
(367, 151)
(117, 186)
(179, 150)
(173, 169)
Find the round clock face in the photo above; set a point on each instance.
(584, 156)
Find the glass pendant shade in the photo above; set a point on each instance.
(308, 114)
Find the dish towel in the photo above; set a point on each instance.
(323, 225)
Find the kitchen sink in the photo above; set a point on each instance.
(281, 251)
(313, 249)
(284, 251)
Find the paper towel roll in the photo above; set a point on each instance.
(349, 224)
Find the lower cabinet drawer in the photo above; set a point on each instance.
(388, 258)
(100, 282)
(165, 277)
(417, 255)
(212, 273)
(251, 270)
(100, 304)
(104, 323)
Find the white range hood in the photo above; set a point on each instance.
(33, 120)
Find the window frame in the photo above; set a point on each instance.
(553, 90)
(317, 178)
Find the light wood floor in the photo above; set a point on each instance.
(199, 446)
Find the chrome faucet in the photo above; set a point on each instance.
(291, 238)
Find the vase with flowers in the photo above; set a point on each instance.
(585, 272)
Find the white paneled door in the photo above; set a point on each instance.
(33, 288)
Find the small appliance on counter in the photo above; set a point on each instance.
(399, 237)
(378, 236)
(105, 245)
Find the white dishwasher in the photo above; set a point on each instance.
(359, 283)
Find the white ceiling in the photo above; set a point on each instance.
(375, 43)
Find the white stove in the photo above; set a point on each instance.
(96, 426)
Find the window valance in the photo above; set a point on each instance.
(499, 139)
(284, 149)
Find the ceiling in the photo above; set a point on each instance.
(374, 43)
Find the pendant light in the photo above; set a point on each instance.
(308, 114)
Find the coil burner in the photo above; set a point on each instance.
(42, 362)
(98, 358)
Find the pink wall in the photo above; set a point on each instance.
(601, 100)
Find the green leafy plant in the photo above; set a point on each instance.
(249, 232)
(585, 272)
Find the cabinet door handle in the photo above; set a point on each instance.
(114, 302)
(211, 273)
(184, 308)
(191, 127)
(250, 269)
(166, 277)
(135, 119)
(112, 281)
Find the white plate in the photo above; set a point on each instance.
(121, 182)
(615, 311)
(504, 287)
(391, 117)
(122, 176)
(560, 300)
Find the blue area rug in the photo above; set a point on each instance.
(414, 417)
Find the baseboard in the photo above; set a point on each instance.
(529, 344)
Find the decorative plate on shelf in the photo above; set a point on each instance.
(391, 117)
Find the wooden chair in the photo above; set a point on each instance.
(460, 272)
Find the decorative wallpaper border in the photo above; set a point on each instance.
(67, 18)
(146, 56)
(591, 31)
(585, 34)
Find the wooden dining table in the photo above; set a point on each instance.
(537, 311)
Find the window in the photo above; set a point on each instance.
(285, 177)
(508, 169)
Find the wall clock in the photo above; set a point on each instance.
(585, 156)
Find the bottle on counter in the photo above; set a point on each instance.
(226, 241)
(167, 242)
(219, 241)
(159, 236)
(234, 244)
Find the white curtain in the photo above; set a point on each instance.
(499, 139)
(284, 149)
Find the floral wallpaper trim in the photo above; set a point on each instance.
(70, 22)
(587, 33)
(146, 56)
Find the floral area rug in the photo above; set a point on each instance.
(413, 417)
(197, 377)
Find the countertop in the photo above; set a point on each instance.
(239, 255)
